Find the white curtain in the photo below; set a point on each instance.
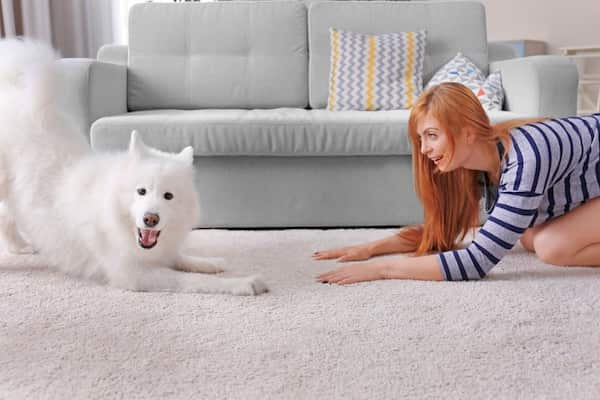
(81, 27)
(77, 28)
(10, 21)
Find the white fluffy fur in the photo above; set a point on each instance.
(81, 211)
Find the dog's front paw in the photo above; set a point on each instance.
(258, 285)
(250, 286)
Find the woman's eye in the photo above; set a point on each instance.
(168, 196)
(432, 136)
(141, 191)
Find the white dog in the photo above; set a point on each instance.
(117, 218)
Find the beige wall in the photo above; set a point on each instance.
(558, 23)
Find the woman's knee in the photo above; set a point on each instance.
(551, 248)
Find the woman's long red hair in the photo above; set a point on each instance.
(450, 199)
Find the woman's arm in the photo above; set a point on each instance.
(397, 243)
(425, 268)
(414, 268)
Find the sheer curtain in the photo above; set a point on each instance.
(10, 18)
(77, 28)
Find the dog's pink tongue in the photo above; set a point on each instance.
(149, 237)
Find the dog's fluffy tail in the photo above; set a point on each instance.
(27, 76)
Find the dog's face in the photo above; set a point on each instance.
(162, 202)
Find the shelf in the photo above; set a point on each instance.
(581, 48)
(587, 82)
(579, 56)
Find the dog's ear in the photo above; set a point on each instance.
(187, 155)
(137, 148)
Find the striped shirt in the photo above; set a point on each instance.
(551, 167)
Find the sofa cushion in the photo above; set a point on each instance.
(375, 72)
(218, 55)
(276, 132)
(451, 27)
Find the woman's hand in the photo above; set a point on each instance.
(351, 253)
(352, 274)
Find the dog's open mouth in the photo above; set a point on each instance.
(147, 238)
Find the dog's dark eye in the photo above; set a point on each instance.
(141, 191)
(168, 196)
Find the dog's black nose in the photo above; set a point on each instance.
(151, 220)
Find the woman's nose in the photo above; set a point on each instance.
(424, 148)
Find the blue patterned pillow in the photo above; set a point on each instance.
(462, 70)
(375, 72)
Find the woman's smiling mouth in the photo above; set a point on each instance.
(436, 160)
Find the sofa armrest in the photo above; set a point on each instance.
(114, 53)
(91, 90)
(539, 86)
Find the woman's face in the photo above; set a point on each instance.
(435, 145)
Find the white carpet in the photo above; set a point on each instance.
(529, 331)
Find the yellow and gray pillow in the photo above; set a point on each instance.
(375, 72)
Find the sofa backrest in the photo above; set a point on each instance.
(218, 55)
(451, 27)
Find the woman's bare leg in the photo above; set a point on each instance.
(571, 239)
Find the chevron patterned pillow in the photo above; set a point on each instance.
(375, 72)
(462, 70)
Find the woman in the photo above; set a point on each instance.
(542, 185)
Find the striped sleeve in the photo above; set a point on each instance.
(512, 215)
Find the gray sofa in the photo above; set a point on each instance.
(245, 83)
